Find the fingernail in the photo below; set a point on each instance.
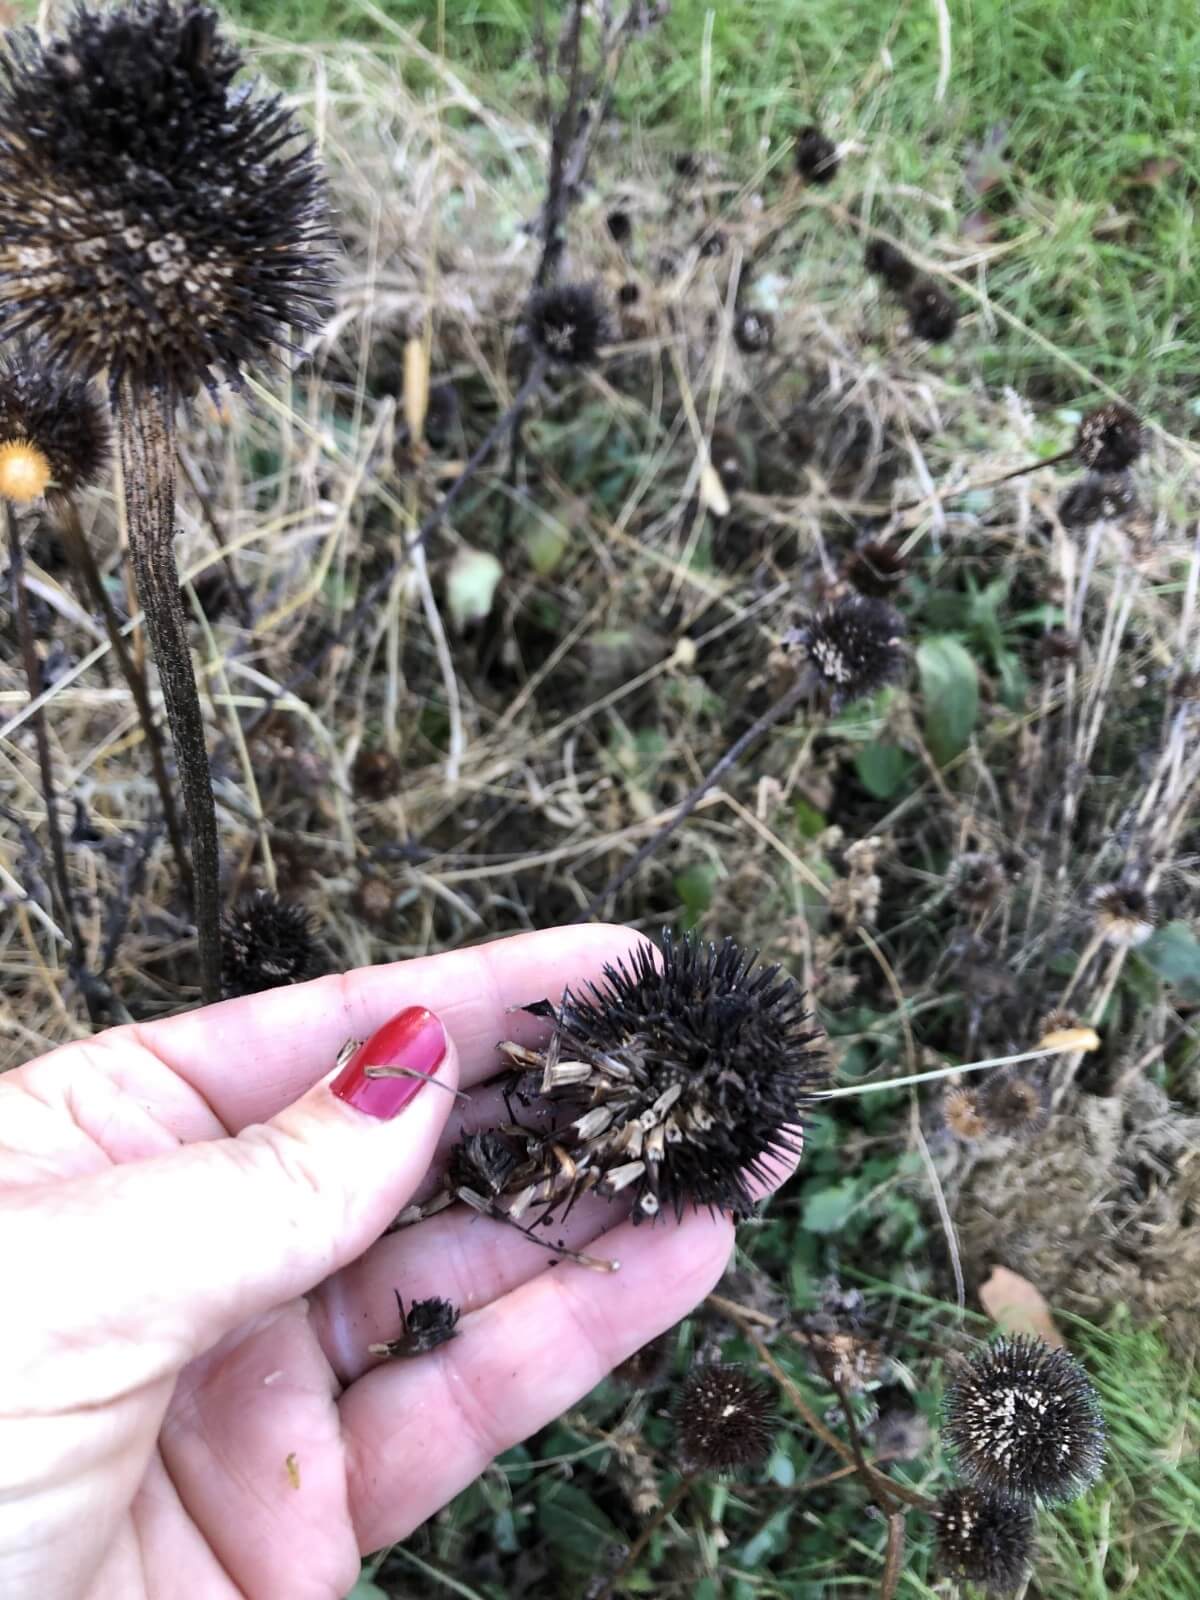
(415, 1040)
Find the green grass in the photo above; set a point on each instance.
(1096, 258)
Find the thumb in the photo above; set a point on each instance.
(157, 1260)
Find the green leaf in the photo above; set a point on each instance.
(364, 1589)
(827, 1210)
(570, 1521)
(882, 769)
(770, 1539)
(545, 545)
(1173, 954)
(694, 886)
(471, 586)
(950, 687)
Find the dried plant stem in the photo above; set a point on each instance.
(670, 1504)
(33, 678)
(66, 516)
(146, 444)
(893, 1556)
(773, 714)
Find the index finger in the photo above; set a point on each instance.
(249, 1058)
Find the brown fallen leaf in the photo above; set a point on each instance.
(1015, 1306)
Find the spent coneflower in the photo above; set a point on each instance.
(426, 1325)
(567, 323)
(816, 155)
(164, 226)
(1125, 914)
(1110, 439)
(267, 943)
(1015, 1103)
(853, 647)
(1023, 1422)
(725, 1419)
(876, 567)
(687, 1074)
(932, 313)
(886, 261)
(753, 331)
(963, 1114)
(54, 432)
(978, 878)
(376, 773)
(480, 1165)
(981, 1539)
(1096, 497)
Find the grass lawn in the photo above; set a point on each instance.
(1059, 139)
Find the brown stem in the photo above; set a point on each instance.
(33, 678)
(66, 516)
(773, 714)
(893, 1557)
(647, 1533)
(146, 442)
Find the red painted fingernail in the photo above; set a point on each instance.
(414, 1040)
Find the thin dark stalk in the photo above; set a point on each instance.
(33, 678)
(676, 1495)
(893, 1557)
(554, 212)
(66, 516)
(146, 441)
(774, 713)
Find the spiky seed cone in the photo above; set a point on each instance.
(426, 1325)
(876, 567)
(157, 220)
(983, 1540)
(724, 1418)
(1096, 496)
(816, 155)
(1023, 1423)
(1125, 914)
(266, 943)
(753, 331)
(963, 1114)
(482, 1163)
(567, 323)
(932, 313)
(884, 260)
(57, 422)
(1016, 1104)
(1110, 439)
(854, 647)
(695, 1069)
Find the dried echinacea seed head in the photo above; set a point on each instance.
(963, 1114)
(753, 331)
(267, 942)
(982, 1540)
(1125, 913)
(1097, 497)
(427, 1324)
(54, 434)
(853, 647)
(1110, 439)
(884, 260)
(481, 1164)
(157, 220)
(932, 313)
(1023, 1422)
(567, 323)
(724, 1419)
(1016, 1103)
(816, 155)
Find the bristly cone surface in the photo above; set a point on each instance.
(680, 1079)
(1023, 1423)
(725, 1418)
(156, 219)
(854, 647)
(62, 418)
(982, 1540)
(267, 942)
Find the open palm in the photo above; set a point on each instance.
(193, 1270)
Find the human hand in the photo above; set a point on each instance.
(193, 1270)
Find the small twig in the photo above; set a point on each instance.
(773, 714)
(893, 1556)
(644, 1537)
(887, 1500)
(411, 1072)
